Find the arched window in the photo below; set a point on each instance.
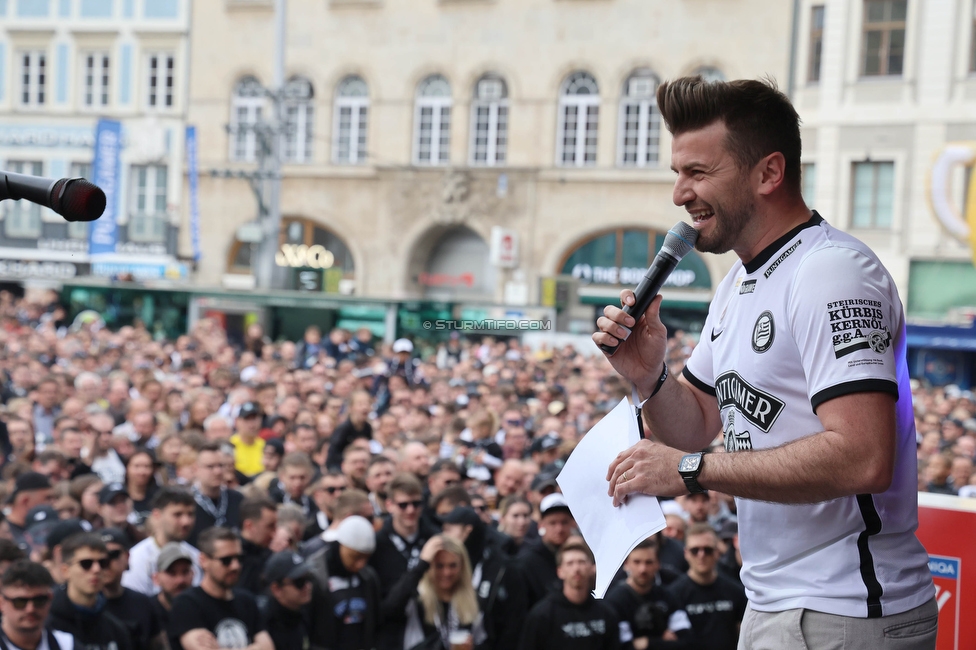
(299, 118)
(579, 116)
(640, 122)
(351, 119)
(246, 110)
(432, 122)
(709, 73)
(489, 122)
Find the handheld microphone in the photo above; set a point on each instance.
(679, 240)
(75, 199)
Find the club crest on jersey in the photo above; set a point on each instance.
(757, 406)
(858, 324)
(763, 332)
(736, 440)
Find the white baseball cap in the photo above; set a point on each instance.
(356, 533)
(402, 345)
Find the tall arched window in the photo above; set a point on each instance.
(299, 118)
(489, 122)
(432, 122)
(247, 107)
(640, 122)
(351, 119)
(579, 116)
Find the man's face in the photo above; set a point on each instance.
(218, 430)
(71, 443)
(116, 512)
(509, 480)
(30, 618)
(262, 530)
(176, 579)
(249, 425)
(84, 573)
(559, 526)
(47, 394)
(37, 498)
(295, 479)
(354, 561)
(443, 479)
(118, 563)
(305, 440)
(293, 593)
(458, 532)
(21, 437)
(712, 189)
(576, 571)
(143, 425)
(176, 521)
(697, 505)
(642, 566)
(224, 568)
(417, 460)
(378, 476)
(355, 464)
(404, 508)
(701, 551)
(210, 469)
(328, 490)
(360, 406)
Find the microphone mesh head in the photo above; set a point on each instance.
(679, 240)
(79, 200)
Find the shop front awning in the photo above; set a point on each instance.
(946, 337)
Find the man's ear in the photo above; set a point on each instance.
(772, 172)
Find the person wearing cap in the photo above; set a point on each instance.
(537, 557)
(173, 576)
(215, 614)
(133, 609)
(286, 612)
(173, 513)
(248, 445)
(543, 484)
(28, 590)
(355, 426)
(79, 607)
(714, 603)
(571, 617)
(216, 504)
(649, 615)
(346, 593)
(544, 450)
(115, 509)
(30, 489)
(496, 581)
(56, 534)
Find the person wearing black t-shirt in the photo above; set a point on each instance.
(135, 610)
(650, 617)
(216, 504)
(572, 619)
(215, 614)
(715, 605)
(356, 426)
(286, 612)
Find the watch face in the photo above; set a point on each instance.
(689, 463)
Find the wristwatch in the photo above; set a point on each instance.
(689, 468)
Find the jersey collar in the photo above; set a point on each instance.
(767, 253)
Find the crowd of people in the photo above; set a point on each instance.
(340, 493)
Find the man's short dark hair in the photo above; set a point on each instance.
(455, 496)
(404, 483)
(10, 551)
(760, 119)
(297, 459)
(444, 464)
(72, 544)
(170, 495)
(211, 446)
(207, 542)
(252, 509)
(575, 544)
(24, 573)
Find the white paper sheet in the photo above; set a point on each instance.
(612, 533)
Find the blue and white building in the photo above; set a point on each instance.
(64, 66)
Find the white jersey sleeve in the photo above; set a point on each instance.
(844, 311)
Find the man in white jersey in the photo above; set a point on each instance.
(801, 365)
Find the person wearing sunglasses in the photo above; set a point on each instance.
(325, 492)
(135, 610)
(399, 541)
(215, 614)
(79, 607)
(25, 600)
(714, 603)
(287, 613)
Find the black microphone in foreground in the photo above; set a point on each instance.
(679, 240)
(75, 199)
